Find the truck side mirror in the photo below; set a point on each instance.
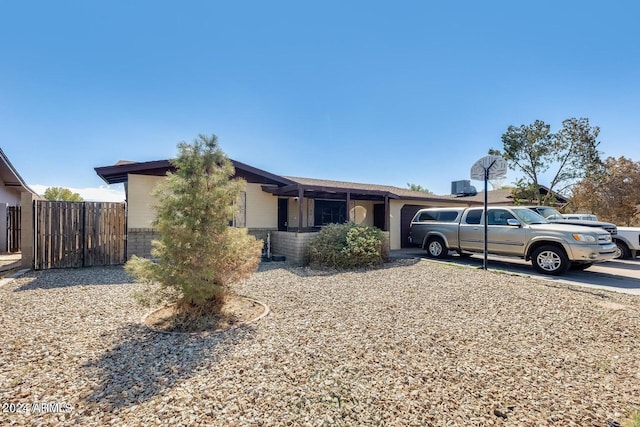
(513, 222)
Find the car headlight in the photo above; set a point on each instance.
(585, 238)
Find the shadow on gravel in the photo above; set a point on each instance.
(146, 364)
(60, 278)
(317, 271)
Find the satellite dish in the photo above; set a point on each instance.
(495, 167)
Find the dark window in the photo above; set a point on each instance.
(444, 216)
(499, 217)
(427, 216)
(473, 216)
(329, 212)
(448, 216)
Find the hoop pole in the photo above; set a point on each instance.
(486, 222)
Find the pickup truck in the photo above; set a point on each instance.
(628, 242)
(514, 231)
(552, 215)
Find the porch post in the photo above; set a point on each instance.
(349, 206)
(300, 196)
(387, 213)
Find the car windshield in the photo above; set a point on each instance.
(529, 217)
(550, 213)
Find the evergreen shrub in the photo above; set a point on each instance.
(347, 246)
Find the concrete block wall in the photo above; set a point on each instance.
(139, 241)
(294, 246)
(260, 233)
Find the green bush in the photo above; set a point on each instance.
(345, 246)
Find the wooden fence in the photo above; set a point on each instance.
(78, 234)
(13, 228)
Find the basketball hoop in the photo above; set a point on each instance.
(488, 169)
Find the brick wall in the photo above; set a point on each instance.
(139, 241)
(292, 245)
(260, 233)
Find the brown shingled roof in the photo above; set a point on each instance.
(341, 185)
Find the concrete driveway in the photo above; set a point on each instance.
(618, 275)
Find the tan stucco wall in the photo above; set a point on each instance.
(361, 212)
(9, 196)
(262, 208)
(140, 202)
(394, 223)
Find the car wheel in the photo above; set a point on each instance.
(622, 251)
(578, 266)
(436, 248)
(550, 260)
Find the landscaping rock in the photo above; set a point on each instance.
(409, 343)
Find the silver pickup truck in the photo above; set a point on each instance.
(628, 242)
(513, 231)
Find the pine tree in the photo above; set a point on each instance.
(198, 255)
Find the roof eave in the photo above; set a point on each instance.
(117, 174)
(19, 182)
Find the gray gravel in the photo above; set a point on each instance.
(415, 343)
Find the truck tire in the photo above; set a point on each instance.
(436, 248)
(622, 251)
(550, 259)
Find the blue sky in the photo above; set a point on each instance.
(363, 91)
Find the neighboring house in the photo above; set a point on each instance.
(504, 197)
(290, 209)
(12, 186)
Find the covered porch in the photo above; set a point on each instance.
(307, 205)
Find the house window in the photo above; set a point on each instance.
(330, 212)
(240, 217)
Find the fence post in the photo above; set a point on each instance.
(26, 229)
(4, 218)
(84, 232)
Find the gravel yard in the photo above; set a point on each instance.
(412, 344)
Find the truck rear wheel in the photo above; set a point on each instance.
(622, 251)
(436, 248)
(550, 259)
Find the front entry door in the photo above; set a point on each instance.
(283, 214)
(378, 215)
